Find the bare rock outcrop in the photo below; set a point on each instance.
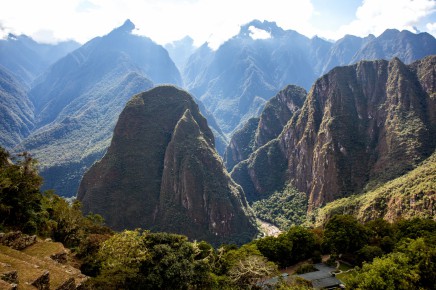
(162, 173)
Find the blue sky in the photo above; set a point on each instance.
(211, 20)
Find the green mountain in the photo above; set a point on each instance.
(16, 110)
(26, 59)
(409, 196)
(162, 172)
(79, 98)
(360, 126)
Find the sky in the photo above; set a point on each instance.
(212, 21)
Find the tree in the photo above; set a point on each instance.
(288, 248)
(391, 272)
(20, 198)
(249, 271)
(415, 228)
(277, 249)
(121, 258)
(378, 230)
(422, 255)
(368, 253)
(344, 234)
(411, 266)
(303, 241)
(172, 262)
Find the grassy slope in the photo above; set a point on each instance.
(32, 262)
(411, 195)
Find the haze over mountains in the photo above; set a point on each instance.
(63, 105)
(27, 59)
(234, 81)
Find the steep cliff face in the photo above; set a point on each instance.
(162, 172)
(241, 144)
(258, 131)
(197, 190)
(277, 112)
(411, 195)
(360, 125)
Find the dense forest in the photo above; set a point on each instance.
(377, 254)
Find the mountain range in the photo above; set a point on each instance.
(234, 81)
(331, 119)
(26, 59)
(359, 127)
(78, 99)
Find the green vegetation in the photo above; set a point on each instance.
(290, 247)
(283, 208)
(25, 208)
(268, 164)
(411, 266)
(399, 255)
(406, 197)
(344, 234)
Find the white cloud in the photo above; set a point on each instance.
(204, 20)
(375, 16)
(431, 28)
(162, 20)
(257, 33)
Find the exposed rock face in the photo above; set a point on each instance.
(17, 240)
(258, 131)
(10, 276)
(162, 172)
(241, 144)
(409, 196)
(277, 112)
(360, 124)
(42, 282)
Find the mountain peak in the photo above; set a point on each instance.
(127, 27)
(389, 33)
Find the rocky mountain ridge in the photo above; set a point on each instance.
(409, 196)
(162, 172)
(234, 81)
(258, 131)
(359, 125)
(74, 103)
